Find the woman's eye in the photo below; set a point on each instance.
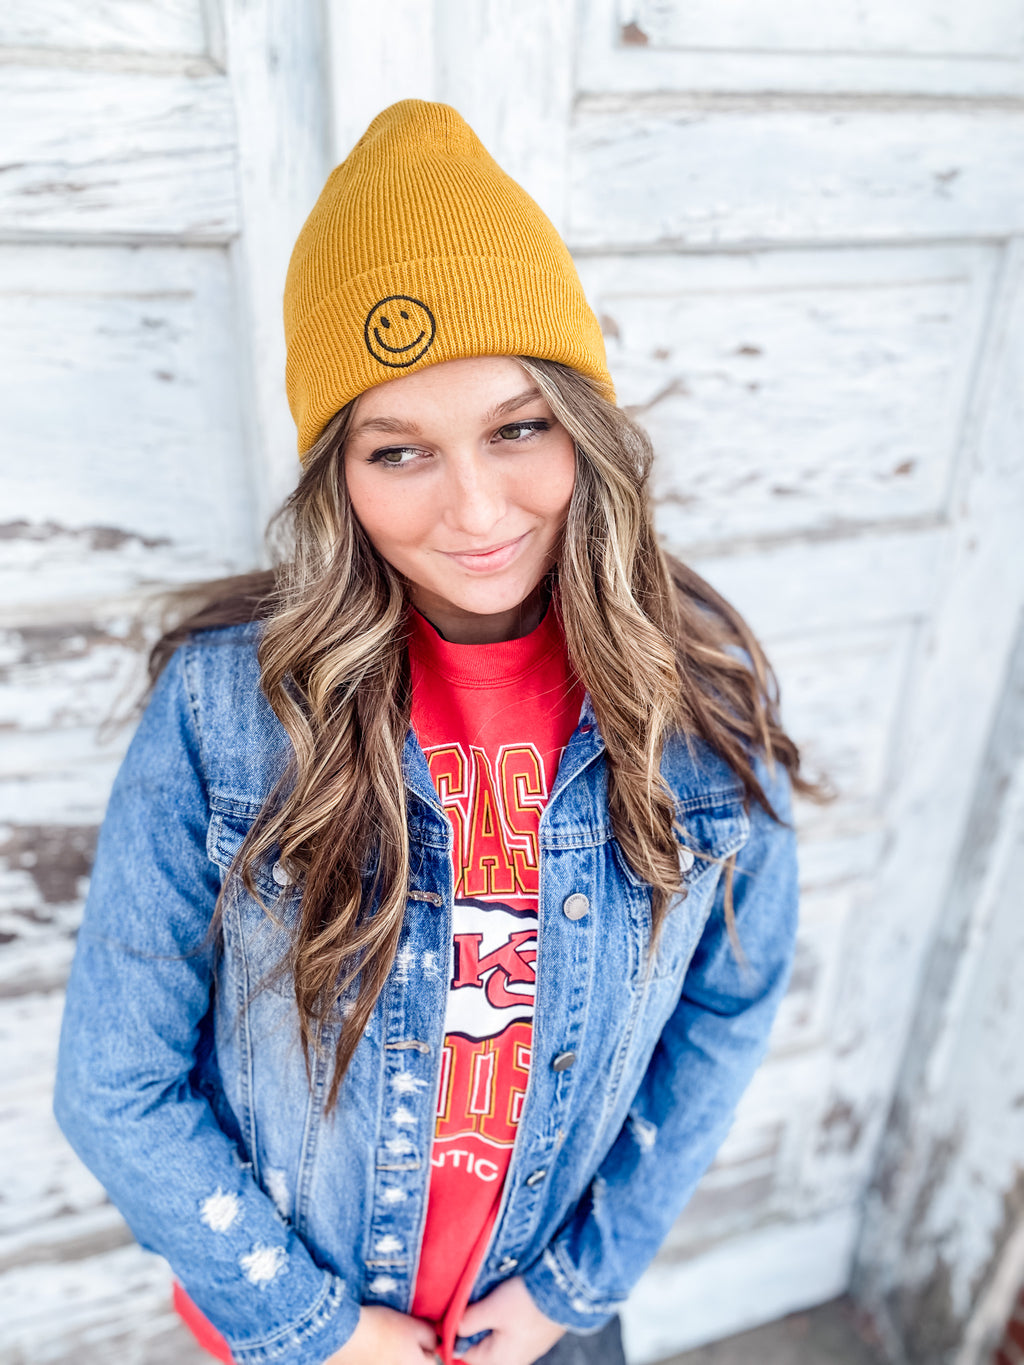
(518, 431)
(394, 456)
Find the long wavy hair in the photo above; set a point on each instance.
(658, 650)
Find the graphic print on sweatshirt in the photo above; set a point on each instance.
(489, 1017)
(487, 1039)
(492, 720)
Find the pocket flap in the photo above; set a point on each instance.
(225, 836)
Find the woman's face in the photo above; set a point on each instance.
(461, 476)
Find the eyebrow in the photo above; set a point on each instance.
(396, 426)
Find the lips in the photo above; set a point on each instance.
(490, 559)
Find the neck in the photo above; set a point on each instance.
(461, 627)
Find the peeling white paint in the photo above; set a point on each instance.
(220, 1210)
(879, 341)
(276, 1181)
(263, 1263)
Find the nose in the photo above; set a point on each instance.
(475, 501)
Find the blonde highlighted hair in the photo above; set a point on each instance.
(658, 650)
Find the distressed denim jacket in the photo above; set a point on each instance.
(185, 1089)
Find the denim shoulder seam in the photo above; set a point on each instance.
(192, 693)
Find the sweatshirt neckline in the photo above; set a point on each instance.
(502, 662)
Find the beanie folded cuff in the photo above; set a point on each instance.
(460, 306)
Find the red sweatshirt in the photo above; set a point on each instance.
(493, 721)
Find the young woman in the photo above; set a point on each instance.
(447, 891)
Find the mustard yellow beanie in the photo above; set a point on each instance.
(421, 249)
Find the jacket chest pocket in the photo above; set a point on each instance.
(227, 831)
(707, 835)
(258, 932)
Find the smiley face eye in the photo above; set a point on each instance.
(384, 322)
(404, 314)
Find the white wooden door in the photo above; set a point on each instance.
(158, 159)
(800, 225)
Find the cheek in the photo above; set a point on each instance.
(550, 484)
(389, 515)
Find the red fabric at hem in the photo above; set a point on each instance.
(204, 1332)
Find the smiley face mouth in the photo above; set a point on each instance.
(396, 350)
(396, 316)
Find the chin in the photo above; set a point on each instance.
(491, 599)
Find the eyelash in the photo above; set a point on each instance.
(534, 426)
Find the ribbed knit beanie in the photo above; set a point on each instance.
(421, 249)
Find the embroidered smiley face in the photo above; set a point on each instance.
(399, 330)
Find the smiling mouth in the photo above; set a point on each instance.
(495, 557)
(396, 350)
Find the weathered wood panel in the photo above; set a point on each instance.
(141, 385)
(131, 154)
(799, 391)
(707, 171)
(136, 474)
(956, 682)
(508, 70)
(112, 1305)
(737, 1285)
(943, 1250)
(795, 586)
(805, 1015)
(44, 1189)
(841, 696)
(839, 452)
(158, 26)
(635, 46)
(941, 28)
(274, 53)
(378, 55)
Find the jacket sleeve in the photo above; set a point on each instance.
(702, 1063)
(139, 989)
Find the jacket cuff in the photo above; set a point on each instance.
(323, 1329)
(554, 1286)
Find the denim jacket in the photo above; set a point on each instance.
(185, 1089)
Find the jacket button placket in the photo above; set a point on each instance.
(566, 927)
(415, 997)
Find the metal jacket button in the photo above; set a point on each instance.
(280, 875)
(534, 1178)
(685, 859)
(576, 905)
(563, 1061)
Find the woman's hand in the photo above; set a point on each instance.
(520, 1333)
(386, 1337)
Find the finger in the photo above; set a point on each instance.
(477, 1317)
(478, 1354)
(424, 1334)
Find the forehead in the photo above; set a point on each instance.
(472, 385)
